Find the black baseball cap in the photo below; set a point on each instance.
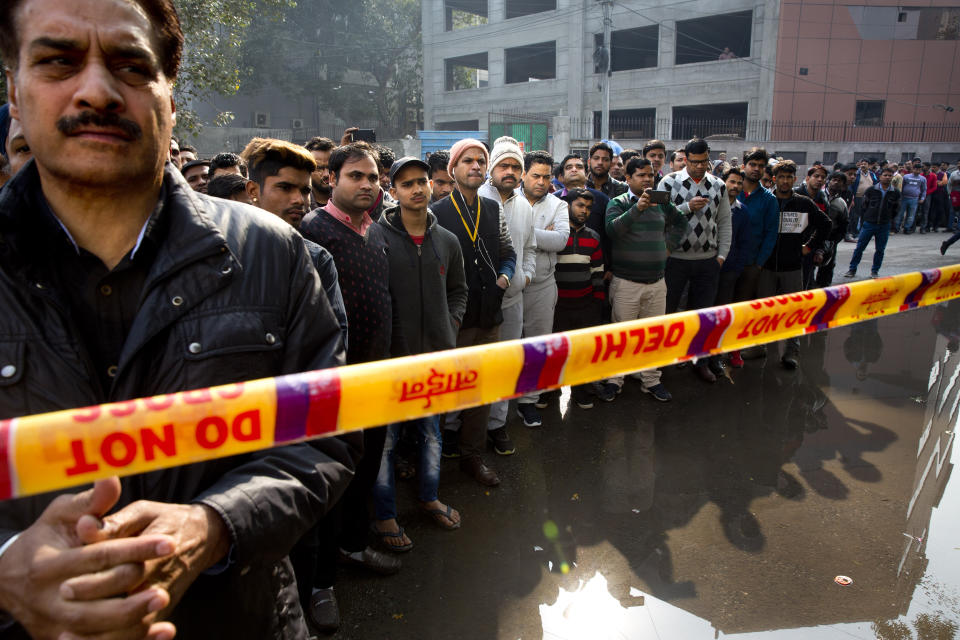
(194, 163)
(405, 162)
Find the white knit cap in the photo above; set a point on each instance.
(503, 148)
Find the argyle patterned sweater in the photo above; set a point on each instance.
(709, 232)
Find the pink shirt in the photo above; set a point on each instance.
(365, 222)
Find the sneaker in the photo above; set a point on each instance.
(585, 402)
(790, 360)
(451, 444)
(502, 443)
(607, 391)
(530, 415)
(874, 274)
(850, 274)
(546, 398)
(736, 360)
(658, 391)
(943, 248)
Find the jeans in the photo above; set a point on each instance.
(703, 277)
(385, 489)
(853, 227)
(773, 283)
(880, 233)
(908, 205)
(923, 214)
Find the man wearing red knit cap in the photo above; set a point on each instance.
(489, 262)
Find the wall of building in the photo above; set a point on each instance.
(852, 52)
(575, 91)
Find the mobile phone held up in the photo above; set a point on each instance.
(657, 197)
(367, 135)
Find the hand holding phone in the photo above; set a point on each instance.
(657, 197)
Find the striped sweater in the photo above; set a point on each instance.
(579, 269)
(641, 240)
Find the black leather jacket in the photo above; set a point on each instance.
(878, 209)
(225, 276)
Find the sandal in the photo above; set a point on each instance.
(443, 517)
(383, 535)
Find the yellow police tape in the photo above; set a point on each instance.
(68, 448)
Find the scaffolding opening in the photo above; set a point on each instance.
(725, 36)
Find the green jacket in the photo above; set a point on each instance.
(642, 240)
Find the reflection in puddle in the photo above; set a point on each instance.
(590, 611)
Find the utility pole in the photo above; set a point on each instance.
(605, 69)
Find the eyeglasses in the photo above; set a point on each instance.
(698, 162)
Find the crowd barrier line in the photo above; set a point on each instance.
(64, 449)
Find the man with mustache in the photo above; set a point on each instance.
(552, 229)
(197, 173)
(125, 283)
(489, 261)
(506, 173)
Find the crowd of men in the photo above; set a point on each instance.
(131, 267)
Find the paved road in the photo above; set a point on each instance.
(730, 510)
(904, 253)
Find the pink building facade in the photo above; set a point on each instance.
(878, 65)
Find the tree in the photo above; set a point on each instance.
(358, 59)
(214, 33)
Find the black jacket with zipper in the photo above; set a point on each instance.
(427, 281)
(879, 208)
(802, 223)
(230, 296)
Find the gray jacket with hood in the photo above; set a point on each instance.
(426, 280)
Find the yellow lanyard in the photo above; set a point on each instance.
(476, 227)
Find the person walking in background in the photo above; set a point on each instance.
(880, 203)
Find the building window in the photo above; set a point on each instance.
(517, 8)
(627, 123)
(467, 72)
(631, 48)
(950, 157)
(458, 125)
(725, 119)
(531, 62)
(869, 113)
(867, 155)
(906, 23)
(718, 37)
(907, 156)
(829, 159)
(460, 14)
